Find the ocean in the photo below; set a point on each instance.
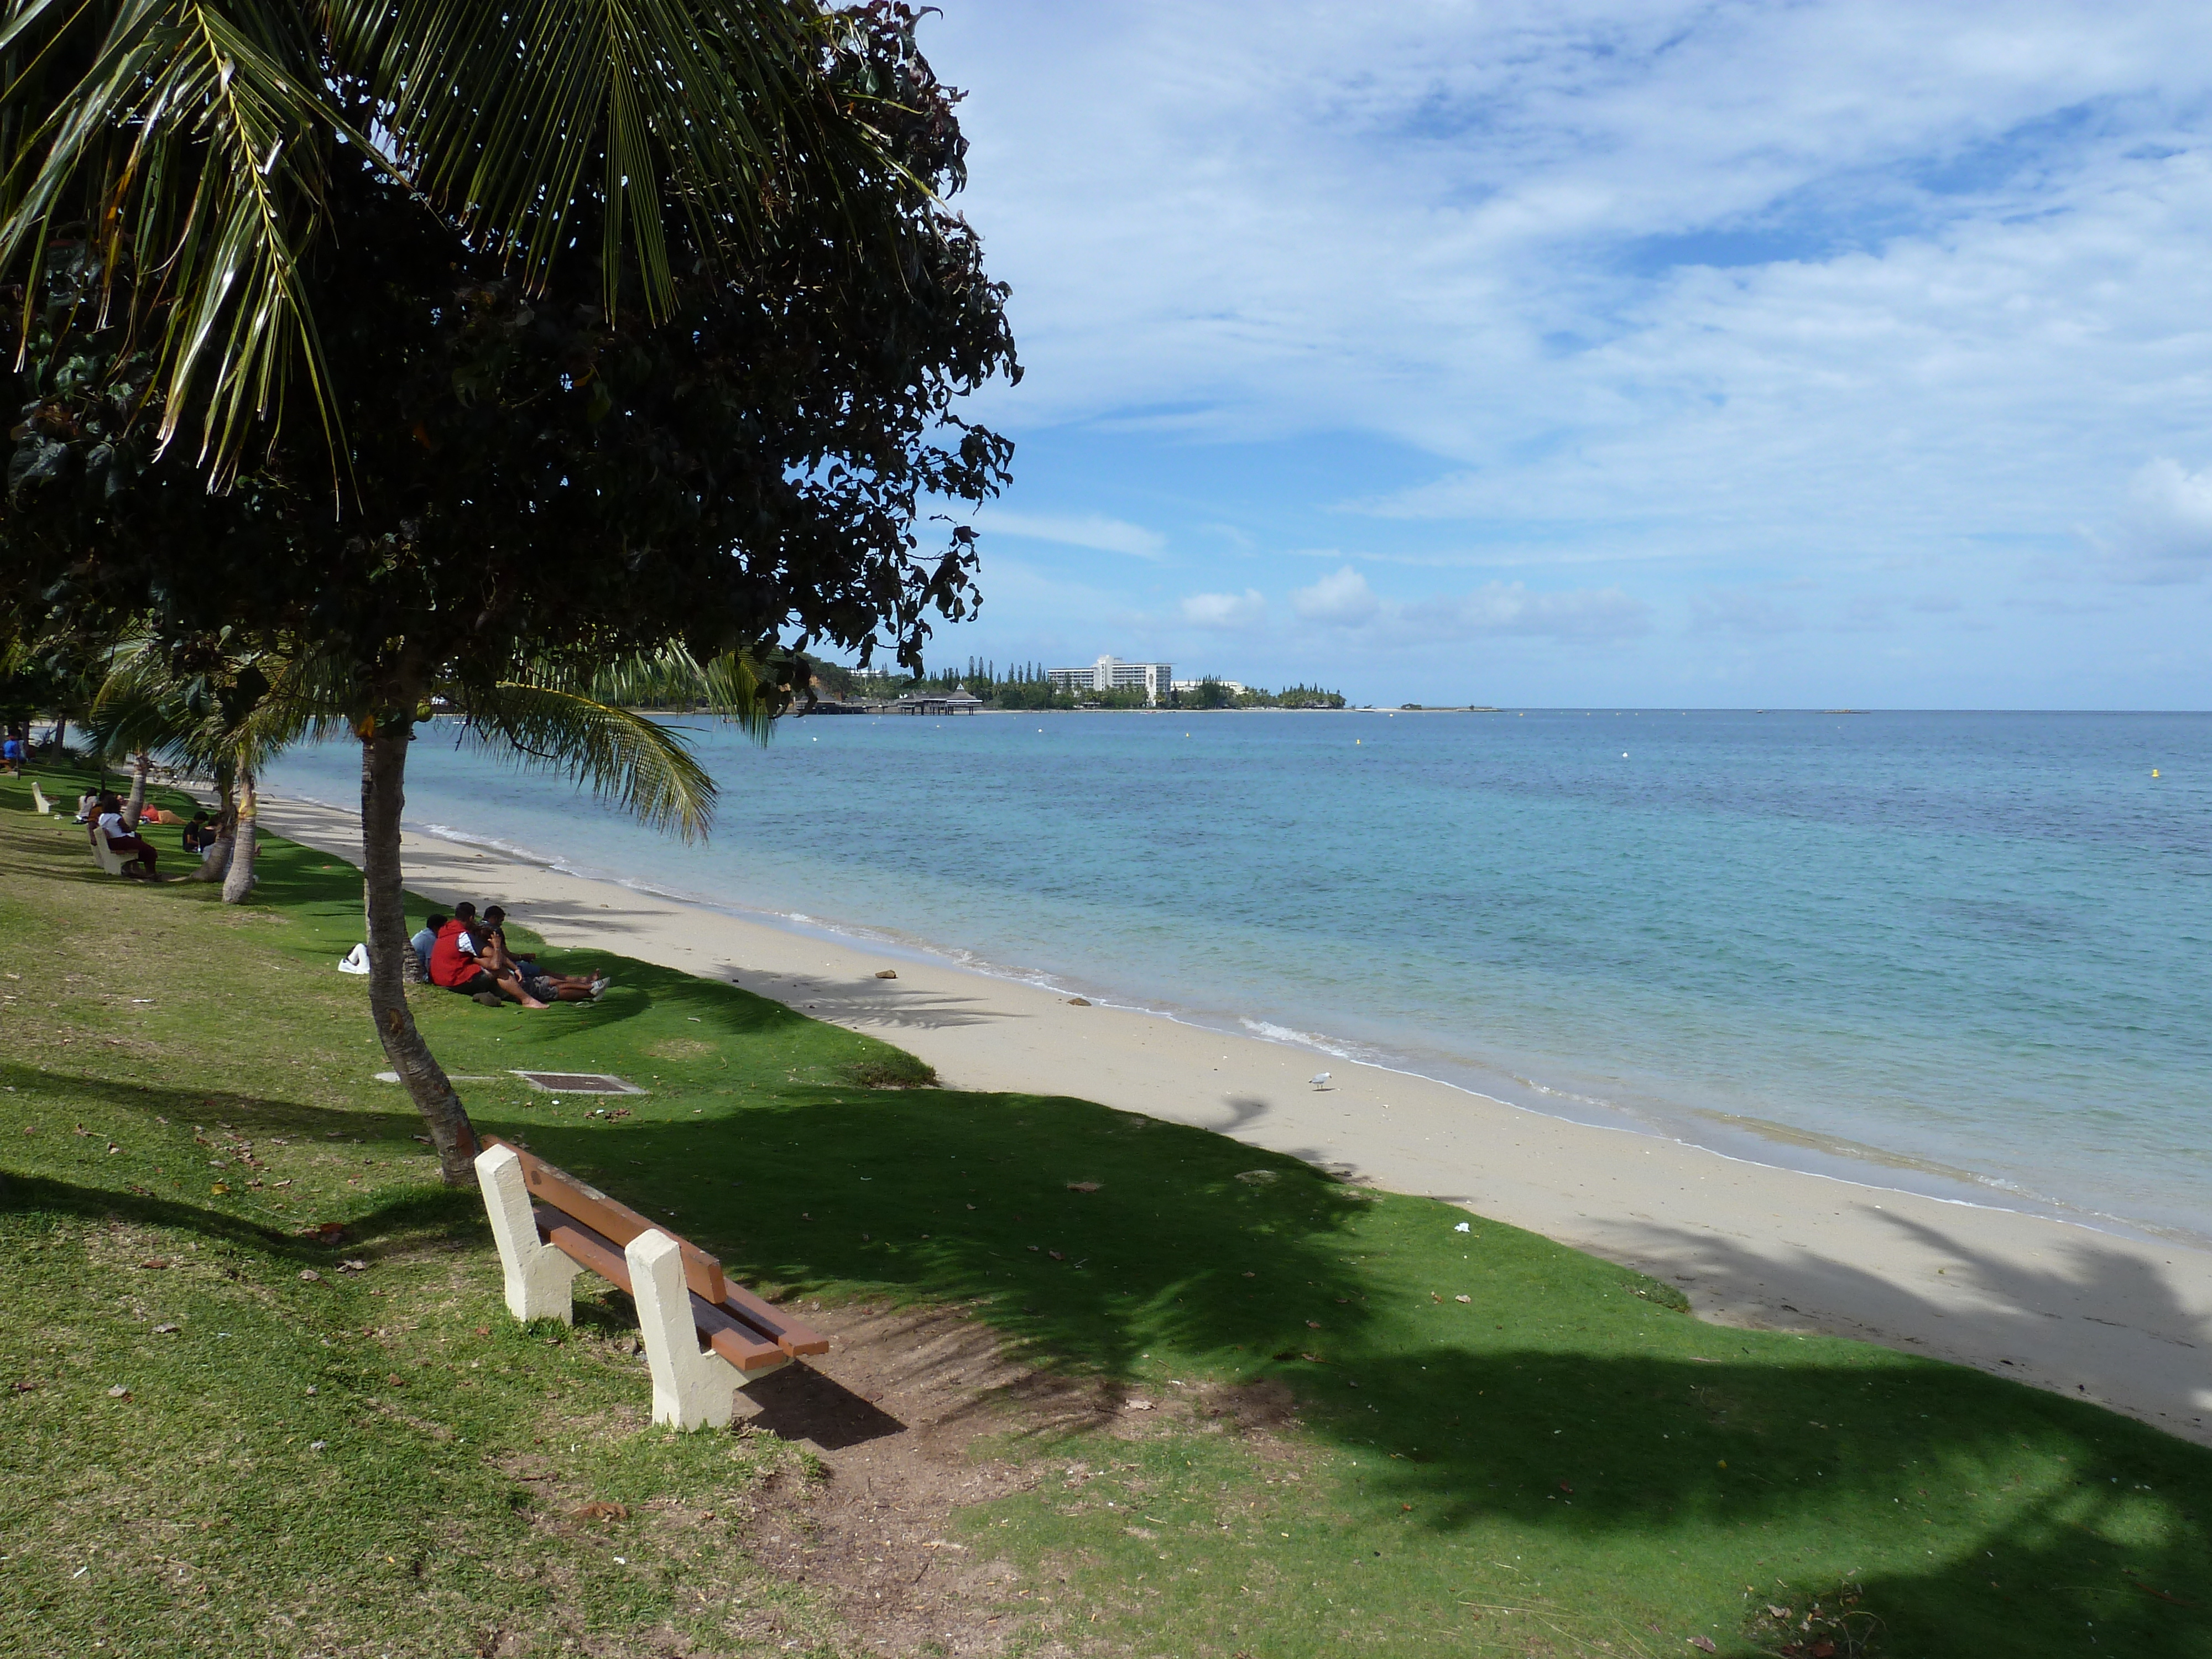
(1964, 954)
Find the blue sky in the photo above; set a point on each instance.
(1774, 354)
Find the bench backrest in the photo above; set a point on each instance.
(110, 860)
(38, 799)
(592, 1229)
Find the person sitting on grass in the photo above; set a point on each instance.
(199, 835)
(427, 940)
(540, 982)
(456, 964)
(108, 821)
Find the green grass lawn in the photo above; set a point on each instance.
(1561, 1463)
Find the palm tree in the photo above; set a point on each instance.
(183, 150)
(225, 716)
(236, 708)
(186, 146)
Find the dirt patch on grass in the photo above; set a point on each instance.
(679, 1048)
(894, 1414)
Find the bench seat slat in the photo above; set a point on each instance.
(727, 1335)
(793, 1336)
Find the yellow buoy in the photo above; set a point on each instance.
(2154, 771)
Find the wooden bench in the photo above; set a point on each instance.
(550, 1226)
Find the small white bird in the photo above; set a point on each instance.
(1319, 1080)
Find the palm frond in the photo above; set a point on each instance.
(622, 757)
(499, 112)
(241, 712)
(727, 685)
(191, 149)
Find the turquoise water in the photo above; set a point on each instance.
(1963, 953)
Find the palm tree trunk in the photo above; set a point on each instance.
(216, 864)
(383, 792)
(238, 880)
(141, 764)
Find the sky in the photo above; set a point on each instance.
(1716, 355)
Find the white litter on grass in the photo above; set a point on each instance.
(355, 961)
(1461, 1228)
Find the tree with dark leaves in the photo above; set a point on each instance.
(694, 427)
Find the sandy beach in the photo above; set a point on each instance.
(2123, 1321)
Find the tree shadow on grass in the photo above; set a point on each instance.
(442, 1217)
(1739, 1458)
(1963, 1507)
(259, 1113)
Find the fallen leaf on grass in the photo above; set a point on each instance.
(310, 1276)
(154, 1261)
(1138, 1405)
(1704, 1644)
(118, 1392)
(219, 1189)
(1083, 1186)
(164, 1330)
(601, 1510)
(1313, 1324)
(396, 1380)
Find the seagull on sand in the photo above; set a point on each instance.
(1319, 1080)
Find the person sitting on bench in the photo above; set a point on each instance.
(108, 822)
(541, 983)
(457, 964)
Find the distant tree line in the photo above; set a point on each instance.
(1028, 686)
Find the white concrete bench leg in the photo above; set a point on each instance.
(692, 1386)
(540, 1280)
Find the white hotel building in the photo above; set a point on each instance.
(1156, 679)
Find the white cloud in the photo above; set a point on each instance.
(1672, 293)
(1582, 613)
(1091, 530)
(1343, 600)
(1228, 612)
(2167, 537)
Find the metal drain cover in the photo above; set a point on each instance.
(582, 1083)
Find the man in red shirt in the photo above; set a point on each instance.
(454, 963)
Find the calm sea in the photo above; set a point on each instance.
(1966, 954)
